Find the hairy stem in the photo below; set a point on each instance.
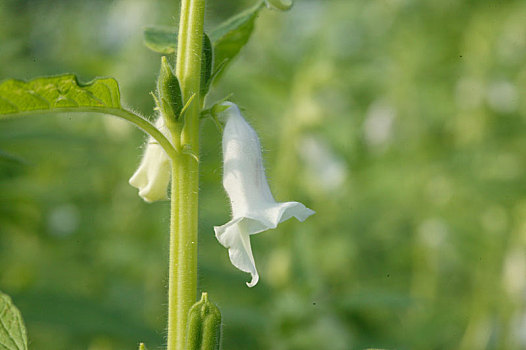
(182, 286)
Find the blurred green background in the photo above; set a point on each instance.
(401, 122)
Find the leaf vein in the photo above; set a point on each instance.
(4, 311)
(5, 346)
(109, 92)
(21, 328)
(40, 97)
(10, 103)
(7, 330)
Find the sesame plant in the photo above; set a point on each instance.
(169, 169)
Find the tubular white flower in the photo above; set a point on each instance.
(153, 175)
(253, 207)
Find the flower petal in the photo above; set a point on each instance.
(234, 236)
(280, 212)
(153, 175)
(254, 209)
(243, 173)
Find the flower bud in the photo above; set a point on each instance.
(169, 93)
(204, 326)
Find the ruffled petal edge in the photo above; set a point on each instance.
(235, 234)
(235, 238)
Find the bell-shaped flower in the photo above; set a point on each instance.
(253, 207)
(153, 175)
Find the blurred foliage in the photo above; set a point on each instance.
(401, 122)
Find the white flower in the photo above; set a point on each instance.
(253, 207)
(153, 175)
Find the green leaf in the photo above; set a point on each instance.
(13, 334)
(206, 65)
(52, 93)
(161, 39)
(64, 93)
(223, 45)
(230, 37)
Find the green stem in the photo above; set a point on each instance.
(182, 285)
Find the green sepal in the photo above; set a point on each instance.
(214, 111)
(142, 346)
(282, 5)
(204, 326)
(161, 39)
(13, 334)
(218, 108)
(170, 97)
(207, 59)
(229, 38)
